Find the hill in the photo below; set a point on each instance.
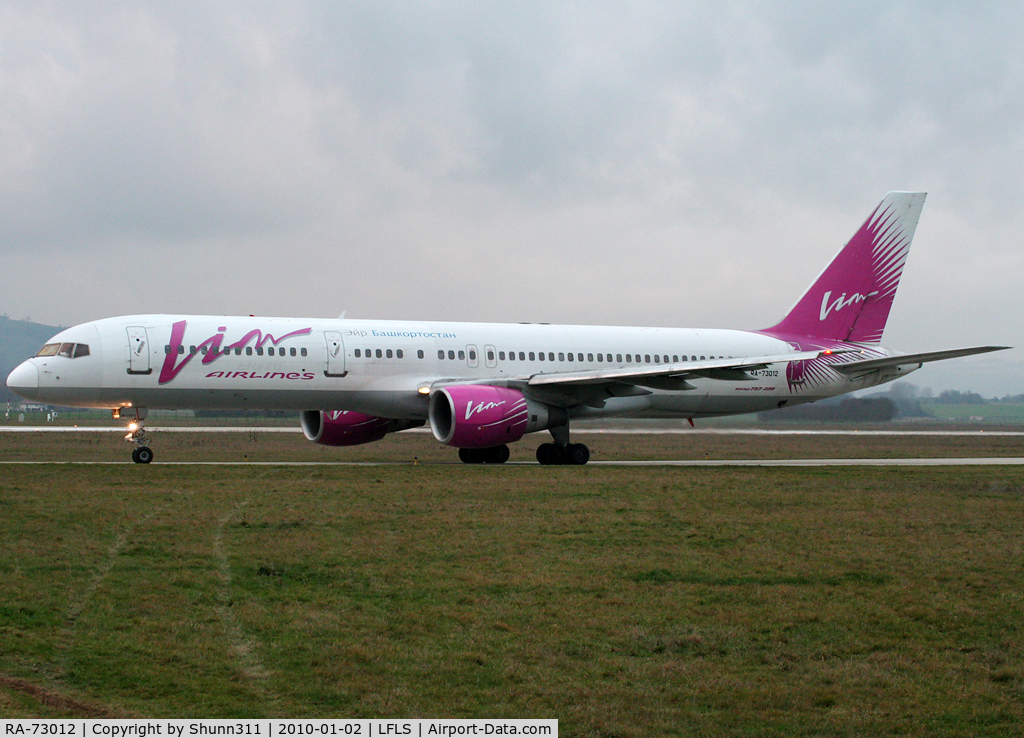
(19, 339)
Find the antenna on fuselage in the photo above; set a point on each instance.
(342, 316)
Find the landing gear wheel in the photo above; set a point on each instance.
(142, 455)
(492, 455)
(497, 455)
(577, 454)
(551, 454)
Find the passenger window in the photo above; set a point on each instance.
(419, 353)
(629, 358)
(302, 352)
(657, 359)
(501, 355)
(618, 358)
(451, 355)
(259, 351)
(561, 356)
(462, 355)
(390, 354)
(292, 352)
(540, 356)
(248, 350)
(490, 354)
(192, 350)
(167, 349)
(551, 355)
(531, 356)
(270, 351)
(399, 354)
(472, 355)
(599, 357)
(380, 354)
(522, 356)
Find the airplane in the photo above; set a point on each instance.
(481, 386)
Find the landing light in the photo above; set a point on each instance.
(424, 390)
(133, 426)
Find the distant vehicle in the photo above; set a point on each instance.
(481, 386)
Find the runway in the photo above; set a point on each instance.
(575, 431)
(960, 461)
(862, 462)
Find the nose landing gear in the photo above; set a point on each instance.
(142, 453)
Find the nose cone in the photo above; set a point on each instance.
(24, 380)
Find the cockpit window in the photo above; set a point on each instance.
(70, 350)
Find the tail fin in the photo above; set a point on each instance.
(851, 298)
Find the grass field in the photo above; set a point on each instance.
(622, 601)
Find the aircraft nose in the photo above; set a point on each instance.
(24, 380)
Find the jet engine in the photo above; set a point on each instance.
(484, 416)
(348, 428)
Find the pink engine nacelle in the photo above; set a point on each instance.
(348, 428)
(484, 416)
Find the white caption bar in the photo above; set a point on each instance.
(274, 728)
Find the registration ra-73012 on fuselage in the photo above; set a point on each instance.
(481, 386)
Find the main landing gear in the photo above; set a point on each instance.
(576, 454)
(548, 454)
(142, 453)
(561, 451)
(493, 455)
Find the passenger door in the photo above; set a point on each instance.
(335, 354)
(138, 350)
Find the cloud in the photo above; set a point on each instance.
(655, 163)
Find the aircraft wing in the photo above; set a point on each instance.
(734, 369)
(869, 365)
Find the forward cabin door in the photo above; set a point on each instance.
(335, 354)
(138, 350)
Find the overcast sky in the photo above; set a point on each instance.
(678, 163)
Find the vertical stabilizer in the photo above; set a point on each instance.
(851, 298)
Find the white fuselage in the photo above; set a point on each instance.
(389, 368)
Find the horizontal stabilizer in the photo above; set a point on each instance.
(868, 365)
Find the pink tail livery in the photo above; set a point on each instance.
(851, 298)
